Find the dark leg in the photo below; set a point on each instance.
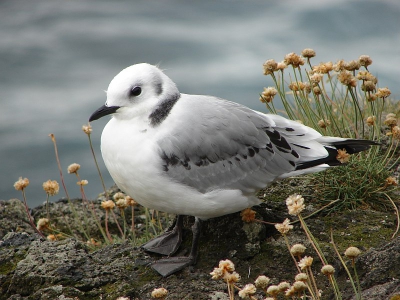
(170, 265)
(168, 242)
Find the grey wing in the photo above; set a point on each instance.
(223, 145)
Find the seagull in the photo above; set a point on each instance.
(199, 155)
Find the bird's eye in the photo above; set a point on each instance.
(135, 91)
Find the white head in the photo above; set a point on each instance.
(135, 91)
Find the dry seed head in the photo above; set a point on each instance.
(248, 215)
(294, 60)
(51, 237)
(51, 187)
(390, 120)
(119, 298)
(342, 156)
(283, 286)
(368, 86)
(371, 120)
(371, 97)
(281, 66)
(130, 201)
(352, 65)
(308, 53)
(273, 290)
(159, 293)
(268, 94)
(396, 132)
(226, 265)
(301, 277)
(323, 68)
(297, 249)
(247, 291)
(352, 252)
(391, 181)
(299, 286)
(284, 227)
(217, 273)
(297, 86)
(339, 66)
(328, 270)
(231, 277)
(316, 90)
(383, 92)
(324, 123)
(346, 78)
(262, 282)
(295, 204)
(21, 184)
(121, 203)
(305, 262)
(87, 129)
(316, 78)
(43, 224)
(82, 182)
(290, 292)
(269, 66)
(118, 196)
(73, 168)
(365, 60)
(109, 204)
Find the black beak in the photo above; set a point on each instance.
(103, 111)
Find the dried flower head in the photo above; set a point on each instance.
(283, 286)
(368, 86)
(365, 60)
(217, 273)
(294, 60)
(295, 204)
(269, 66)
(118, 196)
(290, 292)
(305, 262)
(301, 277)
(226, 265)
(328, 270)
(297, 249)
(43, 224)
(352, 65)
(130, 201)
(87, 129)
(82, 182)
(51, 187)
(324, 123)
(323, 68)
(352, 252)
(391, 181)
(73, 168)
(121, 203)
(262, 282)
(383, 92)
(231, 277)
(159, 293)
(395, 131)
(297, 86)
(343, 156)
(370, 97)
(21, 184)
(281, 66)
(268, 94)
(248, 215)
(347, 79)
(371, 120)
(284, 227)
(317, 90)
(51, 237)
(247, 291)
(299, 286)
(308, 53)
(273, 290)
(390, 120)
(316, 78)
(339, 66)
(119, 298)
(109, 204)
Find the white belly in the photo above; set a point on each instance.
(131, 156)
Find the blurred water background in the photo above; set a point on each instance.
(57, 57)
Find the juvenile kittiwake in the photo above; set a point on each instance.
(200, 155)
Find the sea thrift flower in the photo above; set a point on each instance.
(368, 86)
(247, 291)
(231, 277)
(295, 204)
(51, 237)
(130, 201)
(294, 60)
(316, 78)
(365, 60)
(281, 66)
(343, 156)
(297, 86)
(352, 252)
(323, 68)
(118, 196)
(87, 129)
(43, 224)
(371, 97)
(82, 182)
(217, 273)
(371, 120)
(226, 265)
(305, 262)
(308, 53)
(324, 123)
(248, 215)
(383, 93)
(297, 249)
(262, 282)
(366, 76)
(109, 204)
(21, 184)
(390, 120)
(273, 290)
(317, 90)
(301, 277)
(346, 78)
(270, 66)
(284, 227)
(73, 168)
(268, 94)
(283, 286)
(339, 66)
(299, 286)
(352, 65)
(51, 187)
(391, 181)
(159, 293)
(328, 270)
(121, 203)
(396, 132)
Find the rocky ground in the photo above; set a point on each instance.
(34, 268)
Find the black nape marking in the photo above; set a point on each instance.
(163, 109)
